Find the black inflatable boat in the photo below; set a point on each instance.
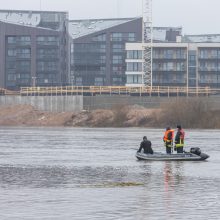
(195, 154)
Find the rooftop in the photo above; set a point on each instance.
(80, 28)
(33, 18)
(204, 38)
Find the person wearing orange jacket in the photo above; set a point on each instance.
(179, 139)
(168, 140)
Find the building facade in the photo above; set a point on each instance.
(45, 48)
(98, 50)
(33, 48)
(176, 64)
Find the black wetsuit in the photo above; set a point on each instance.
(146, 145)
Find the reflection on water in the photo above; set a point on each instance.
(93, 174)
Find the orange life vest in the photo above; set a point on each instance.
(166, 134)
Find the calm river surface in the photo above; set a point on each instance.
(78, 173)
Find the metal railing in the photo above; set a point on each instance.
(119, 90)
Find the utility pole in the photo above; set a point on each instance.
(147, 43)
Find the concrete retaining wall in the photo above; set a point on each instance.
(46, 103)
(78, 103)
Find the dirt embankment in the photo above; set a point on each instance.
(190, 113)
(121, 116)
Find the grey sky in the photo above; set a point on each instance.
(195, 16)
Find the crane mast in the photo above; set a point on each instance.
(147, 43)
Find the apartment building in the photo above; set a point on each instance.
(33, 48)
(192, 64)
(98, 50)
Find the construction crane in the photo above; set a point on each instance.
(147, 43)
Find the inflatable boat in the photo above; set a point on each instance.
(195, 154)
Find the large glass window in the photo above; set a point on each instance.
(11, 40)
(12, 52)
(47, 53)
(24, 40)
(129, 37)
(99, 81)
(47, 66)
(118, 48)
(24, 66)
(24, 53)
(134, 79)
(100, 37)
(134, 67)
(134, 54)
(11, 64)
(117, 59)
(48, 40)
(20, 40)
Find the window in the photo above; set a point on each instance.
(134, 67)
(118, 48)
(47, 66)
(79, 81)
(12, 52)
(116, 37)
(23, 53)
(168, 54)
(134, 54)
(24, 66)
(134, 79)
(129, 37)
(101, 37)
(102, 59)
(11, 65)
(11, 40)
(24, 40)
(48, 40)
(117, 59)
(47, 53)
(99, 81)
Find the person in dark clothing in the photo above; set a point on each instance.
(179, 139)
(146, 145)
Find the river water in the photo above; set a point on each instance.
(78, 173)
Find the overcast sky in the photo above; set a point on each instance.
(195, 16)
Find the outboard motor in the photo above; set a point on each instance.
(197, 151)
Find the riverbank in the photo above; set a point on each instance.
(120, 116)
(189, 113)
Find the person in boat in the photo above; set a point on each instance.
(179, 139)
(168, 140)
(146, 145)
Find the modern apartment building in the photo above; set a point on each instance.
(33, 48)
(176, 64)
(98, 50)
(45, 48)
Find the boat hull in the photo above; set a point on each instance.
(171, 157)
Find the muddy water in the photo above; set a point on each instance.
(92, 174)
